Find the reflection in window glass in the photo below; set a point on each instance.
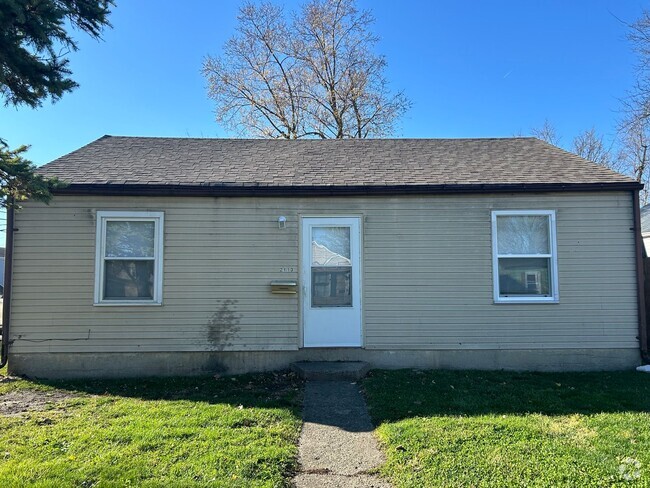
(330, 246)
(331, 286)
(524, 276)
(523, 234)
(128, 280)
(129, 239)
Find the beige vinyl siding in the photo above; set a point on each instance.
(427, 275)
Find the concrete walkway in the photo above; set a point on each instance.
(337, 446)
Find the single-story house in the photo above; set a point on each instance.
(169, 256)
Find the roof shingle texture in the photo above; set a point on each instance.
(402, 162)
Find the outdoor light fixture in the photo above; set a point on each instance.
(282, 222)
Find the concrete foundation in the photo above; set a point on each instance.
(116, 365)
(331, 370)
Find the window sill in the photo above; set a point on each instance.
(127, 304)
(526, 301)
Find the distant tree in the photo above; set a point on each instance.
(634, 126)
(547, 132)
(628, 152)
(634, 142)
(591, 146)
(314, 76)
(34, 43)
(637, 104)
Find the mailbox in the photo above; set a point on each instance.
(284, 287)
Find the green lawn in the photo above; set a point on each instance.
(479, 429)
(231, 431)
(438, 428)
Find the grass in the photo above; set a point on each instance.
(231, 431)
(488, 429)
(438, 428)
(18, 384)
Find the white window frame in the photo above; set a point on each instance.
(104, 216)
(554, 282)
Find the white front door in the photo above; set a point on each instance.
(331, 281)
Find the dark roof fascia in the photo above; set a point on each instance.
(224, 190)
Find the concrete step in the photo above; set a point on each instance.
(331, 370)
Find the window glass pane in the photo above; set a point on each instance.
(524, 276)
(132, 239)
(330, 246)
(523, 234)
(330, 287)
(128, 280)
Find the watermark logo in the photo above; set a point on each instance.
(630, 469)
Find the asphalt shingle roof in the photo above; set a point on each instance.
(160, 161)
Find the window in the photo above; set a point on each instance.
(129, 258)
(524, 256)
(331, 267)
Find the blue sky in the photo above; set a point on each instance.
(471, 69)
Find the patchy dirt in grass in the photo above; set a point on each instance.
(21, 401)
(571, 427)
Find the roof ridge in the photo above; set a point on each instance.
(261, 139)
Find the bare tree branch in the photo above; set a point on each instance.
(258, 76)
(547, 132)
(317, 76)
(591, 146)
(635, 139)
(634, 128)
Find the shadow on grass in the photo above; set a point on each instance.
(268, 390)
(396, 395)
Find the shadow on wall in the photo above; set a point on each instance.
(223, 325)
